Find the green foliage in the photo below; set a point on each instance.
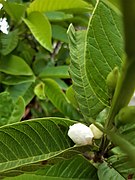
(88, 102)
(58, 69)
(103, 51)
(40, 28)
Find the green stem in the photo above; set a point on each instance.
(126, 82)
(124, 90)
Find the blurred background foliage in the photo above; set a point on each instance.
(34, 57)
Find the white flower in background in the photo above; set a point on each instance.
(4, 25)
(80, 134)
(96, 132)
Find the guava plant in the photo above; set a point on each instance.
(80, 78)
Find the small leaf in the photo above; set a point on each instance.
(39, 90)
(40, 28)
(56, 5)
(9, 42)
(104, 47)
(14, 65)
(59, 99)
(55, 72)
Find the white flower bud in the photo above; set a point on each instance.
(80, 134)
(96, 132)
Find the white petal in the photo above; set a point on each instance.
(96, 132)
(80, 134)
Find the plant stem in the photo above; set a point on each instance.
(126, 82)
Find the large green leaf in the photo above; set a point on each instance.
(14, 65)
(59, 99)
(10, 112)
(33, 141)
(88, 102)
(105, 171)
(55, 72)
(104, 47)
(40, 28)
(9, 42)
(74, 168)
(16, 11)
(55, 5)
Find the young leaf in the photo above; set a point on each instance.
(40, 28)
(59, 99)
(104, 47)
(55, 72)
(9, 42)
(14, 65)
(39, 90)
(56, 5)
(88, 102)
(107, 172)
(33, 141)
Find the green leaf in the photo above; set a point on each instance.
(128, 131)
(70, 93)
(56, 5)
(9, 42)
(16, 11)
(55, 72)
(14, 65)
(89, 104)
(106, 171)
(122, 164)
(76, 168)
(58, 16)
(10, 112)
(59, 99)
(59, 33)
(124, 144)
(40, 28)
(104, 47)
(24, 89)
(33, 141)
(14, 80)
(39, 90)
(18, 111)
